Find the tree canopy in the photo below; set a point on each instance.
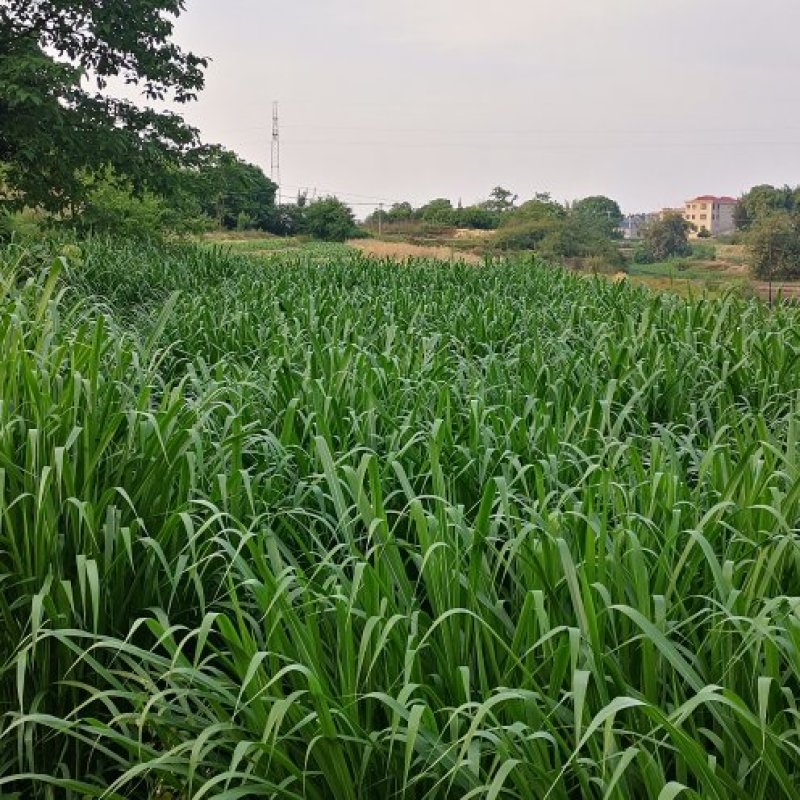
(439, 211)
(231, 191)
(500, 200)
(774, 243)
(666, 238)
(764, 200)
(329, 219)
(57, 122)
(600, 213)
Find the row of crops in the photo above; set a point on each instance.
(337, 528)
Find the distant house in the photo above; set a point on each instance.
(633, 225)
(712, 214)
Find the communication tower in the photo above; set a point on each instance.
(275, 159)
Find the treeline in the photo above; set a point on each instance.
(218, 191)
(73, 155)
(769, 218)
(586, 229)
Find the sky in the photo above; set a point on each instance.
(647, 101)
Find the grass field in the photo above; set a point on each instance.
(323, 526)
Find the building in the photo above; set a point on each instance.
(712, 214)
(633, 225)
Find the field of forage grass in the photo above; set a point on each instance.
(332, 527)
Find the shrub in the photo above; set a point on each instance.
(667, 237)
(20, 224)
(329, 220)
(774, 243)
(704, 251)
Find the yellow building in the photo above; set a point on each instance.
(713, 214)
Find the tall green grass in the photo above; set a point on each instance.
(356, 528)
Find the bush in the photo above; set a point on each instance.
(113, 209)
(477, 218)
(522, 236)
(19, 225)
(602, 265)
(704, 251)
(330, 220)
(774, 243)
(667, 238)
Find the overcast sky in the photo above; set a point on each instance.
(647, 101)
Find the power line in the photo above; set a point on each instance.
(546, 147)
(534, 131)
(345, 194)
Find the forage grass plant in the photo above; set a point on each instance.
(344, 528)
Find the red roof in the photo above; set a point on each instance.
(710, 198)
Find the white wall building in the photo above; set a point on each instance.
(713, 214)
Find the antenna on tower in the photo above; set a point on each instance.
(275, 160)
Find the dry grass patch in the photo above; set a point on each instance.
(405, 250)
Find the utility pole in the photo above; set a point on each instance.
(380, 218)
(275, 156)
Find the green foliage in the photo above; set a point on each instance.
(588, 230)
(397, 213)
(476, 218)
(237, 195)
(642, 255)
(22, 225)
(112, 208)
(527, 226)
(287, 219)
(703, 251)
(666, 238)
(438, 212)
(763, 201)
(535, 211)
(441, 213)
(54, 129)
(600, 214)
(525, 234)
(329, 219)
(500, 201)
(774, 244)
(315, 528)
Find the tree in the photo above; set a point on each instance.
(667, 238)
(287, 219)
(774, 243)
(329, 219)
(231, 191)
(763, 201)
(57, 124)
(500, 200)
(599, 213)
(398, 212)
(527, 226)
(438, 212)
(111, 207)
(477, 217)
